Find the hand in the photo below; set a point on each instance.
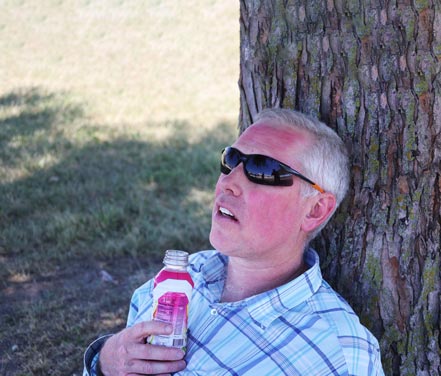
(126, 353)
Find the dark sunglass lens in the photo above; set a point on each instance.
(265, 170)
(229, 160)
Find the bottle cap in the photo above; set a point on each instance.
(176, 258)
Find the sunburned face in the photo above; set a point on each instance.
(258, 222)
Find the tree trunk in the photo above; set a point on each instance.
(370, 70)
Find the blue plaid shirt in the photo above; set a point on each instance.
(301, 328)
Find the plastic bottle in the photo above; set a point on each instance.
(172, 292)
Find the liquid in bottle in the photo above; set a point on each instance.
(172, 292)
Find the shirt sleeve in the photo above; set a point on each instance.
(91, 356)
(92, 353)
(140, 304)
(362, 356)
(133, 309)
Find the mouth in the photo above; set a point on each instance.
(224, 212)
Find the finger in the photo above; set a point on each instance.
(146, 328)
(154, 368)
(137, 374)
(152, 352)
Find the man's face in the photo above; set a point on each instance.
(259, 222)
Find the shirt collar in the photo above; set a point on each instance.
(267, 307)
(214, 272)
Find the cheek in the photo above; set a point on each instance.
(272, 213)
(217, 189)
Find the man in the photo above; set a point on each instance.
(260, 305)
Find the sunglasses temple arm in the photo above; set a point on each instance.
(320, 189)
(314, 185)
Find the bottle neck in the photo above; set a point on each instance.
(175, 267)
(176, 260)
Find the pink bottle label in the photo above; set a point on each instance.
(171, 297)
(168, 274)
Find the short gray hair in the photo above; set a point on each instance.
(326, 162)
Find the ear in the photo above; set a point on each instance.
(322, 207)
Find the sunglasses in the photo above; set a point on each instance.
(261, 169)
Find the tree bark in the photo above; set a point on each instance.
(370, 70)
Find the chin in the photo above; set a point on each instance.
(221, 243)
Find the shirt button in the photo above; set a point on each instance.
(213, 312)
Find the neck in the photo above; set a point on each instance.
(245, 279)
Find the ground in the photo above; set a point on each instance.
(51, 318)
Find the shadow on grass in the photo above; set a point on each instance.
(77, 201)
(28, 113)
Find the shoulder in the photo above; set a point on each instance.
(358, 345)
(327, 311)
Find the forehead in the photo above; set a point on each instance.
(275, 140)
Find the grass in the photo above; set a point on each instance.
(117, 192)
(112, 117)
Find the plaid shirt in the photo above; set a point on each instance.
(301, 328)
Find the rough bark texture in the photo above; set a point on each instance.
(369, 69)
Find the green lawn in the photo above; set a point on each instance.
(112, 118)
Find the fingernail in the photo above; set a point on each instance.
(180, 364)
(169, 328)
(180, 354)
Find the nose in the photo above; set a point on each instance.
(233, 182)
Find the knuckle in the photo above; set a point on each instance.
(128, 363)
(147, 368)
(144, 327)
(122, 351)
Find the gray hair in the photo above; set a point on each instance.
(326, 162)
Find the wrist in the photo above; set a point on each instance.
(92, 354)
(99, 372)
